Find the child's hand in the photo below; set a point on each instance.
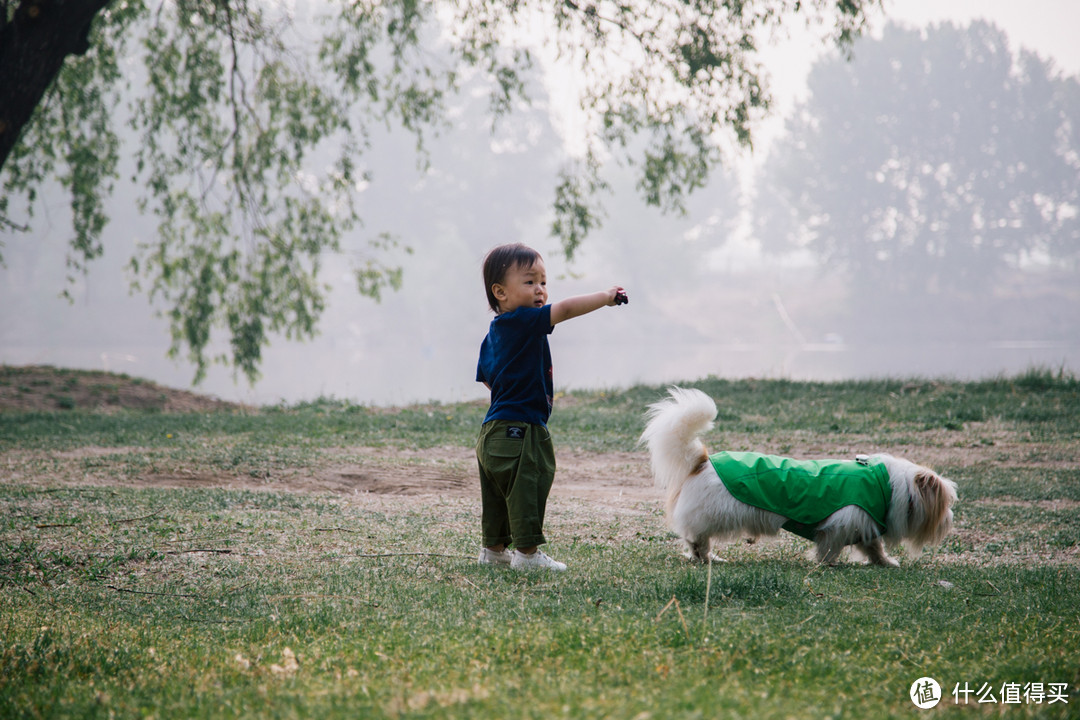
(578, 305)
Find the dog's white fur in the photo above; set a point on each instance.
(700, 508)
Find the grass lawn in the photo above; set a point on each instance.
(223, 563)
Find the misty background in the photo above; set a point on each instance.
(918, 214)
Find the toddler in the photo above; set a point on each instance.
(514, 450)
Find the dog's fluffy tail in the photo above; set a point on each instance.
(672, 435)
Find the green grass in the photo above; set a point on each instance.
(180, 603)
(1042, 403)
(121, 601)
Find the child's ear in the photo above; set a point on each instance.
(498, 291)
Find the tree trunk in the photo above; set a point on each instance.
(33, 45)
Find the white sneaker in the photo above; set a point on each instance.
(521, 561)
(492, 557)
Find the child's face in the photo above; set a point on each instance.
(522, 287)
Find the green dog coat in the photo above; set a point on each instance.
(805, 491)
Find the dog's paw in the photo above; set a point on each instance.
(703, 559)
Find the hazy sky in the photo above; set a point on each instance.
(1046, 26)
(1049, 27)
(358, 358)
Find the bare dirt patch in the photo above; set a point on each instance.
(613, 490)
(47, 389)
(597, 497)
(617, 481)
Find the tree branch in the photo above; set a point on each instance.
(33, 46)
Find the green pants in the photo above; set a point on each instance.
(517, 468)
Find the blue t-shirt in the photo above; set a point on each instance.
(515, 361)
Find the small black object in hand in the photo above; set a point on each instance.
(621, 298)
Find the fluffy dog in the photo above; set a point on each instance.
(895, 501)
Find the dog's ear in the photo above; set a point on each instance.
(935, 503)
(930, 487)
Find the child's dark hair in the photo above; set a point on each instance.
(500, 260)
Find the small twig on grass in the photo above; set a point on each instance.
(708, 591)
(408, 554)
(337, 529)
(906, 658)
(136, 519)
(238, 588)
(110, 522)
(156, 594)
(46, 598)
(682, 619)
(993, 594)
(674, 601)
(472, 583)
(198, 550)
(210, 621)
(311, 596)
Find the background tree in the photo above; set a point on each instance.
(250, 120)
(933, 162)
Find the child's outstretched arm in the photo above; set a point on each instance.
(578, 305)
